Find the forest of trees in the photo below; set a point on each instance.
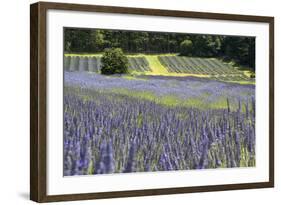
(239, 49)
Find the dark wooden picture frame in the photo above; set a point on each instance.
(38, 101)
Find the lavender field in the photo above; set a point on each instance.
(123, 124)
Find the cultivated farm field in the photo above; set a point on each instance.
(171, 65)
(155, 101)
(120, 124)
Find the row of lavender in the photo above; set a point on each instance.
(197, 65)
(213, 67)
(77, 63)
(116, 134)
(93, 63)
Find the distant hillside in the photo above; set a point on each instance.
(165, 64)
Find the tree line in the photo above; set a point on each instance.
(238, 48)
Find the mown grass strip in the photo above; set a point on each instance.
(171, 100)
(155, 65)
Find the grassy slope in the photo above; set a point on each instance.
(155, 65)
(159, 69)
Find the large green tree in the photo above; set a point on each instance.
(114, 62)
(240, 49)
(186, 48)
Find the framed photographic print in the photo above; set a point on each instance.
(135, 102)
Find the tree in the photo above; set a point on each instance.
(97, 40)
(240, 49)
(114, 62)
(186, 47)
(235, 48)
(205, 45)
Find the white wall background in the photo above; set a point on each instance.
(14, 102)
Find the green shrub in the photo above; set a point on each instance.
(114, 62)
(186, 48)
